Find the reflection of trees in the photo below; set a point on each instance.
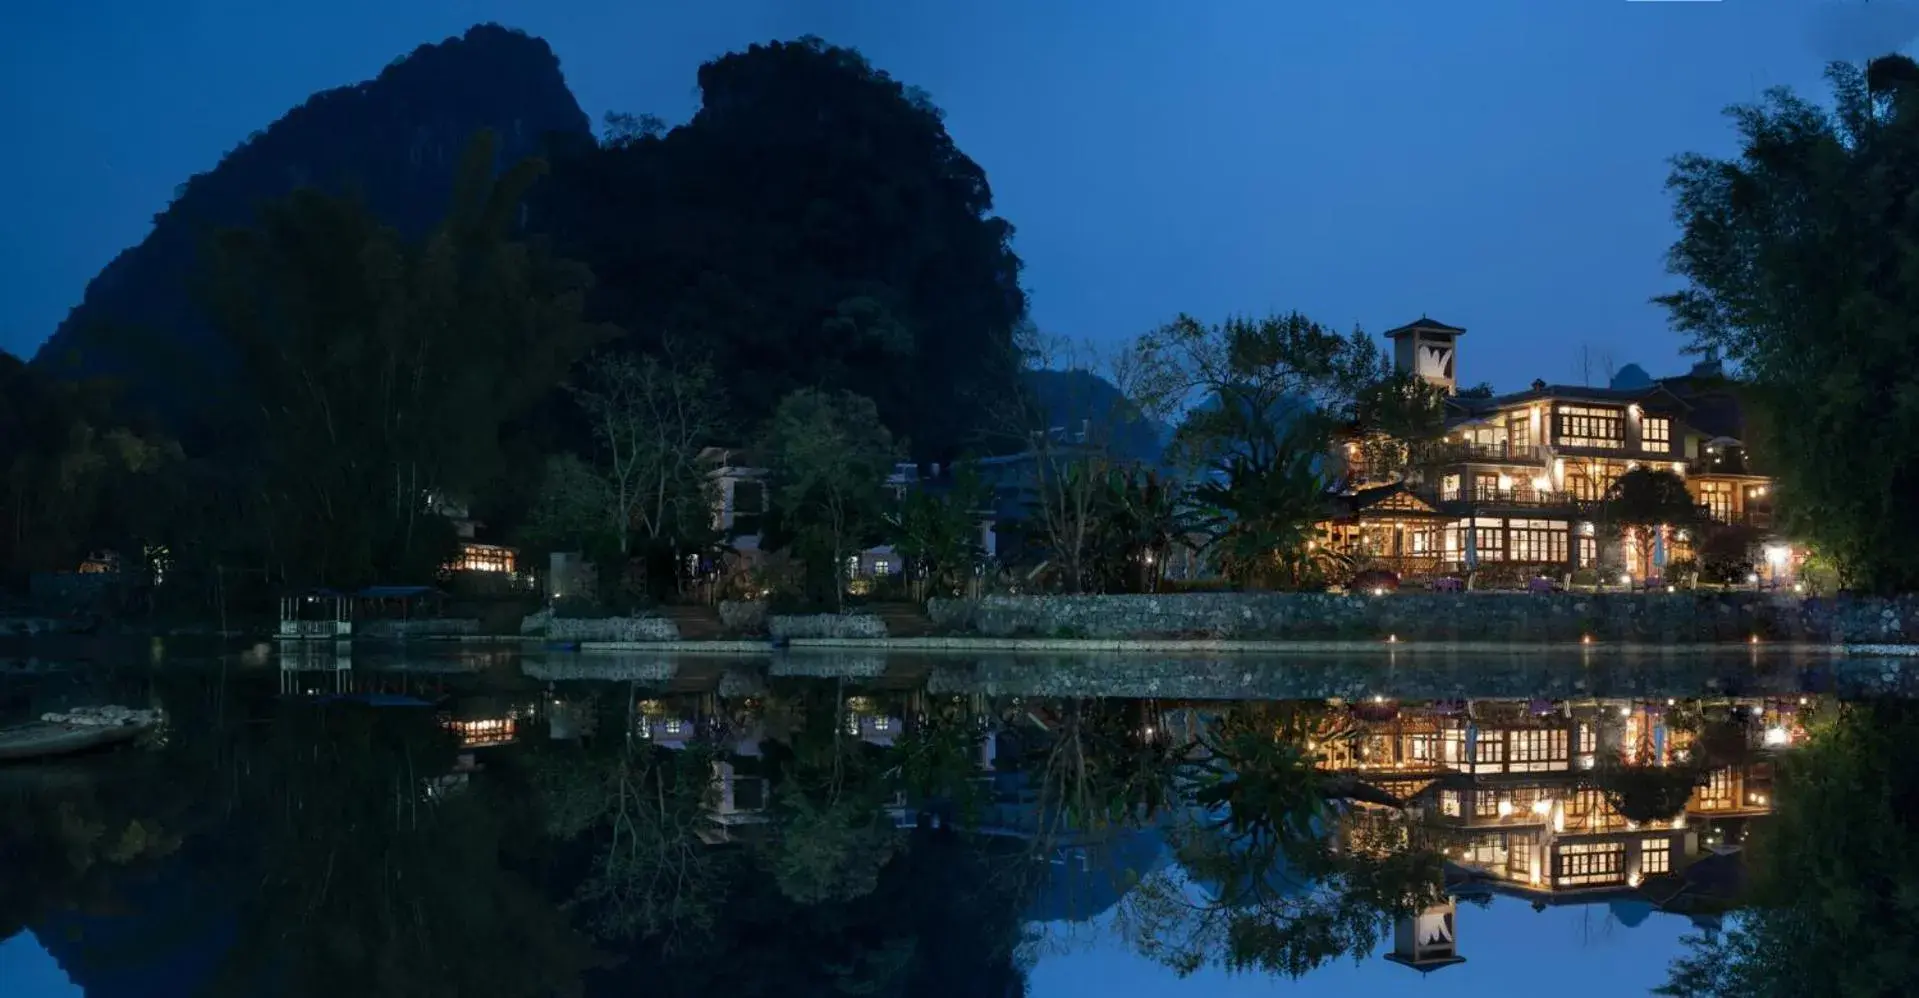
(1645, 794)
(365, 884)
(1286, 865)
(640, 809)
(940, 921)
(1835, 903)
(830, 833)
(1290, 871)
(69, 834)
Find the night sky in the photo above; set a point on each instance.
(1496, 164)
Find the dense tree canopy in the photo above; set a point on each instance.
(379, 372)
(1800, 262)
(813, 225)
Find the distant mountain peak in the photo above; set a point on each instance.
(393, 141)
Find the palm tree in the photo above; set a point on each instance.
(1142, 517)
(1263, 508)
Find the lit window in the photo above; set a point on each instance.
(882, 567)
(1582, 426)
(483, 558)
(1655, 433)
(1587, 863)
(1655, 856)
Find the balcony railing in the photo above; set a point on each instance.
(1758, 519)
(1523, 496)
(1453, 451)
(1720, 464)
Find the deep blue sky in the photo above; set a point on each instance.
(1583, 951)
(1497, 164)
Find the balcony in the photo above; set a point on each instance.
(1523, 497)
(1727, 462)
(1456, 451)
(1757, 519)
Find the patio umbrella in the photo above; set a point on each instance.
(1472, 547)
(1659, 552)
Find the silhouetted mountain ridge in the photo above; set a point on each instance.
(1070, 397)
(393, 141)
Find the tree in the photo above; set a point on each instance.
(1070, 424)
(573, 509)
(1643, 503)
(378, 373)
(830, 460)
(1797, 259)
(1142, 517)
(73, 478)
(652, 419)
(938, 533)
(1834, 880)
(1241, 383)
(1262, 507)
(813, 226)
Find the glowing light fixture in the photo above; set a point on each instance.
(1777, 736)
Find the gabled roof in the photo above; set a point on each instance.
(1396, 497)
(1423, 324)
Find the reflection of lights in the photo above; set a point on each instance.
(1777, 736)
(483, 732)
(1505, 808)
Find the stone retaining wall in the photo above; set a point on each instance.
(825, 625)
(544, 624)
(424, 628)
(1656, 618)
(743, 616)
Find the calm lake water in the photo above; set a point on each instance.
(488, 823)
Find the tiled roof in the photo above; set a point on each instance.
(1423, 323)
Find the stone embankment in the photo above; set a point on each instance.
(1315, 622)
(1515, 618)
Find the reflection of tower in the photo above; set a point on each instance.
(1429, 349)
(1426, 941)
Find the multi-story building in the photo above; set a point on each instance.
(1518, 478)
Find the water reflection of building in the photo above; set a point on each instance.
(1559, 799)
(1428, 940)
